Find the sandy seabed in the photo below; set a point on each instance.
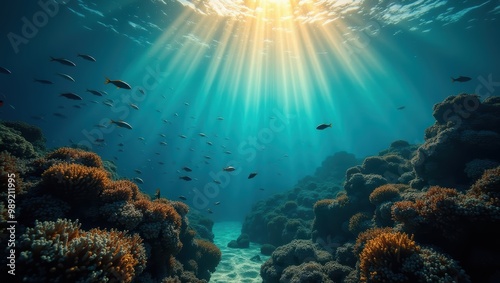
(235, 265)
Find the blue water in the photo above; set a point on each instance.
(271, 74)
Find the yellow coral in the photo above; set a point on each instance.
(382, 257)
(75, 181)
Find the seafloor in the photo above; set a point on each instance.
(412, 213)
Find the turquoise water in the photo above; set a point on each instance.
(255, 79)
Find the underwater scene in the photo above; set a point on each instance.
(275, 141)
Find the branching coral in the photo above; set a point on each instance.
(121, 190)
(75, 182)
(488, 186)
(387, 192)
(61, 252)
(382, 258)
(74, 155)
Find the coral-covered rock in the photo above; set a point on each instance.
(267, 249)
(13, 142)
(208, 257)
(78, 156)
(463, 124)
(30, 133)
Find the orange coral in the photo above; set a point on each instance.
(122, 190)
(385, 193)
(8, 165)
(368, 235)
(74, 155)
(158, 210)
(61, 252)
(382, 257)
(489, 186)
(75, 181)
(324, 203)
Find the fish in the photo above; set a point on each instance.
(1, 103)
(163, 135)
(227, 152)
(401, 107)
(229, 169)
(209, 211)
(202, 135)
(460, 79)
(77, 106)
(5, 71)
(103, 92)
(217, 202)
(121, 144)
(261, 189)
(108, 103)
(207, 157)
(71, 95)
(183, 197)
(99, 140)
(209, 143)
(157, 194)
(60, 115)
(141, 138)
(141, 91)
(163, 143)
(137, 171)
(185, 178)
(182, 136)
(63, 61)
(217, 182)
(94, 92)
(134, 106)
(187, 169)
(138, 180)
(323, 126)
(86, 57)
(185, 103)
(66, 76)
(251, 175)
(46, 82)
(220, 118)
(118, 83)
(122, 124)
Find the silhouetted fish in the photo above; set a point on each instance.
(157, 194)
(5, 70)
(253, 174)
(187, 169)
(460, 79)
(323, 126)
(46, 82)
(94, 92)
(183, 197)
(122, 124)
(63, 61)
(401, 107)
(87, 57)
(138, 180)
(66, 76)
(185, 178)
(118, 83)
(71, 95)
(229, 168)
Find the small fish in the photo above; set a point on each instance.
(157, 194)
(142, 91)
(209, 211)
(138, 180)
(121, 144)
(220, 118)
(60, 115)
(77, 106)
(141, 138)
(103, 92)
(66, 76)
(163, 135)
(5, 71)
(209, 143)
(87, 57)
(227, 152)
(137, 171)
(183, 197)
(46, 82)
(229, 169)
(185, 178)
(118, 83)
(108, 103)
(217, 202)
(460, 79)
(134, 106)
(182, 136)
(185, 103)
(94, 92)
(401, 107)
(161, 163)
(251, 175)
(323, 126)
(99, 140)
(163, 143)
(217, 182)
(63, 61)
(202, 135)
(71, 95)
(1, 103)
(187, 169)
(207, 157)
(261, 189)
(122, 124)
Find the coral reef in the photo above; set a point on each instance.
(466, 125)
(60, 252)
(30, 133)
(13, 142)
